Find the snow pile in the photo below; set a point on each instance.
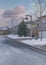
(35, 42)
(17, 37)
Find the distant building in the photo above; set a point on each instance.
(4, 31)
(42, 26)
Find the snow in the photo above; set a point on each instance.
(6, 49)
(17, 37)
(43, 34)
(27, 40)
(35, 42)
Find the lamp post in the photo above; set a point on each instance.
(30, 22)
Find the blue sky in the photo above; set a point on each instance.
(7, 4)
(11, 4)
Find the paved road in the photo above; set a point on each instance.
(17, 55)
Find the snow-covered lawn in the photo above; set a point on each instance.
(27, 40)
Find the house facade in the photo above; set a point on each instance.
(42, 26)
(32, 28)
(37, 28)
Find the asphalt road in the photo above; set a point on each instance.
(18, 54)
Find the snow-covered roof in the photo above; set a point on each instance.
(3, 28)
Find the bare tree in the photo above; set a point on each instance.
(39, 9)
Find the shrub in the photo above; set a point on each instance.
(22, 29)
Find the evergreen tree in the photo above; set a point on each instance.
(22, 29)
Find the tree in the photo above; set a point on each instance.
(22, 29)
(39, 7)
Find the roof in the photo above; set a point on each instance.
(32, 22)
(42, 16)
(3, 28)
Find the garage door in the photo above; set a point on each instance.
(43, 34)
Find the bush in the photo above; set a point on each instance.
(22, 29)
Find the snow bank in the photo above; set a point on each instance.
(35, 42)
(27, 40)
(17, 37)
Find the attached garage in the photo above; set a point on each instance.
(43, 34)
(42, 28)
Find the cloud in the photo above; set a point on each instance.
(6, 19)
(18, 11)
(7, 13)
(1, 11)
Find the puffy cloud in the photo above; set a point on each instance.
(18, 11)
(6, 15)
(1, 11)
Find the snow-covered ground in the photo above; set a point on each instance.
(6, 49)
(35, 42)
(17, 37)
(28, 41)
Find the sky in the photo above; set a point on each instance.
(17, 7)
(15, 4)
(7, 4)
(10, 4)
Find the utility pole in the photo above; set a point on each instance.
(40, 17)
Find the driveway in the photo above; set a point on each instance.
(17, 54)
